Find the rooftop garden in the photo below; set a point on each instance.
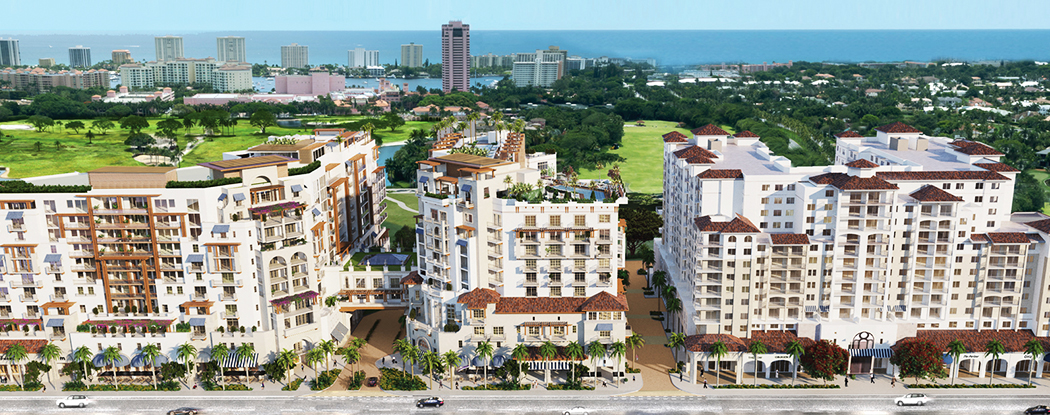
(276, 208)
(18, 186)
(357, 261)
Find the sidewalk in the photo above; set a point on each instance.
(861, 386)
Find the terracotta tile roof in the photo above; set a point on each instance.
(534, 354)
(1040, 225)
(1008, 237)
(849, 134)
(776, 340)
(789, 238)
(709, 129)
(1013, 341)
(745, 134)
(562, 305)
(721, 174)
(699, 160)
(898, 127)
(675, 137)
(479, 298)
(694, 151)
(978, 238)
(739, 224)
(846, 182)
(940, 175)
(604, 301)
(703, 342)
(931, 193)
(32, 346)
(412, 278)
(996, 166)
(862, 164)
(974, 148)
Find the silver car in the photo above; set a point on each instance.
(73, 401)
(919, 399)
(579, 410)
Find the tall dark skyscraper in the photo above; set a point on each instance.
(455, 56)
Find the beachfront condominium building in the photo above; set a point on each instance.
(539, 69)
(905, 235)
(121, 56)
(412, 55)
(9, 54)
(503, 263)
(231, 49)
(79, 57)
(42, 80)
(295, 56)
(361, 58)
(318, 82)
(46, 62)
(237, 251)
(223, 77)
(455, 56)
(232, 77)
(168, 47)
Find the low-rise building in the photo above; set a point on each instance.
(221, 76)
(40, 79)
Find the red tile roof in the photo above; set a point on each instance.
(709, 129)
(846, 182)
(703, 342)
(412, 278)
(978, 238)
(940, 175)
(699, 160)
(675, 137)
(721, 174)
(898, 127)
(745, 134)
(931, 193)
(479, 298)
(849, 134)
(694, 151)
(1040, 225)
(1008, 237)
(862, 164)
(562, 305)
(789, 238)
(775, 341)
(32, 345)
(996, 166)
(603, 301)
(739, 224)
(974, 148)
(1013, 341)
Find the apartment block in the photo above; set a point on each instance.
(168, 48)
(79, 57)
(539, 69)
(295, 56)
(9, 53)
(412, 55)
(455, 56)
(121, 56)
(231, 49)
(40, 79)
(222, 76)
(361, 58)
(46, 62)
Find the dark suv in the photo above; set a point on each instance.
(434, 401)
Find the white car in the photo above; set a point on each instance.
(73, 401)
(913, 399)
(579, 410)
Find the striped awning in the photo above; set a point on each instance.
(876, 353)
(824, 308)
(195, 258)
(553, 365)
(222, 196)
(603, 327)
(197, 322)
(220, 229)
(811, 309)
(53, 258)
(55, 322)
(897, 308)
(236, 360)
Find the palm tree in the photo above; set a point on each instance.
(367, 128)
(432, 362)
(519, 353)
(218, 353)
(313, 356)
(497, 121)
(674, 342)
(485, 351)
(618, 350)
(575, 352)
(956, 349)
(473, 118)
(597, 351)
(518, 126)
(327, 348)
(412, 355)
(659, 282)
(401, 347)
(352, 356)
(83, 355)
(719, 350)
(245, 352)
(186, 352)
(995, 349)
(287, 360)
(795, 349)
(149, 353)
(674, 305)
(1035, 348)
(452, 360)
(635, 342)
(756, 348)
(110, 357)
(548, 351)
(17, 353)
(49, 353)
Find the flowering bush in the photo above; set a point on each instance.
(276, 208)
(306, 295)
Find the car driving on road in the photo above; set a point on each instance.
(579, 410)
(432, 401)
(73, 401)
(1037, 410)
(919, 399)
(184, 411)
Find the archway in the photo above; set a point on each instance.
(999, 365)
(1021, 369)
(968, 368)
(755, 368)
(780, 368)
(423, 344)
(861, 364)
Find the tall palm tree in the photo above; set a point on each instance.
(432, 362)
(186, 352)
(795, 349)
(327, 348)
(519, 353)
(352, 356)
(401, 347)
(497, 121)
(367, 128)
(218, 353)
(674, 306)
(314, 356)
(995, 349)
(110, 357)
(452, 361)
(150, 352)
(287, 359)
(756, 348)
(956, 349)
(719, 350)
(635, 342)
(83, 355)
(548, 351)
(618, 350)
(674, 342)
(518, 126)
(473, 118)
(244, 352)
(1035, 348)
(485, 351)
(597, 351)
(659, 282)
(412, 355)
(49, 353)
(575, 352)
(17, 353)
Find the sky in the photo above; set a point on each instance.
(151, 16)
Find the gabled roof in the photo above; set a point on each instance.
(1008, 237)
(898, 127)
(721, 174)
(745, 134)
(789, 238)
(479, 298)
(709, 129)
(996, 166)
(940, 175)
(412, 278)
(862, 164)
(739, 224)
(974, 148)
(1040, 225)
(675, 137)
(696, 155)
(846, 182)
(603, 301)
(849, 134)
(931, 193)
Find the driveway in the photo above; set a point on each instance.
(380, 345)
(654, 359)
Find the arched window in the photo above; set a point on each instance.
(862, 340)
(732, 239)
(747, 239)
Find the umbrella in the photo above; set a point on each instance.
(99, 361)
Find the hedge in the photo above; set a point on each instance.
(197, 184)
(305, 169)
(569, 387)
(399, 380)
(357, 381)
(502, 386)
(294, 385)
(170, 386)
(18, 186)
(971, 386)
(324, 379)
(16, 388)
(777, 386)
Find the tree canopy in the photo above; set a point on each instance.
(825, 360)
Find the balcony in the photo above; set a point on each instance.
(26, 282)
(227, 283)
(18, 227)
(228, 314)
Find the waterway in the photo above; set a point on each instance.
(267, 84)
(386, 152)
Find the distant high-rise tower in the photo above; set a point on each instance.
(169, 48)
(79, 57)
(9, 54)
(361, 58)
(121, 56)
(455, 56)
(412, 55)
(231, 49)
(295, 56)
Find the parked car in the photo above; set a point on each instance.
(73, 401)
(913, 399)
(373, 381)
(1037, 410)
(433, 401)
(579, 410)
(184, 411)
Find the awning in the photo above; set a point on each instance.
(237, 197)
(15, 214)
(234, 360)
(100, 361)
(556, 365)
(811, 309)
(197, 322)
(297, 188)
(419, 231)
(462, 242)
(374, 234)
(222, 197)
(349, 163)
(465, 188)
(55, 322)
(220, 229)
(478, 361)
(897, 308)
(498, 361)
(423, 179)
(603, 327)
(53, 258)
(317, 212)
(339, 333)
(140, 360)
(824, 308)
(195, 258)
(877, 353)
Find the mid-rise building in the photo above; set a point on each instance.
(319, 82)
(539, 69)
(42, 80)
(168, 48)
(9, 53)
(412, 55)
(295, 56)
(455, 56)
(361, 58)
(79, 57)
(232, 77)
(576, 63)
(223, 77)
(231, 49)
(137, 75)
(121, 56)
(46, 62)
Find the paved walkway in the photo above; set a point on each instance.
(379, 346)
(654, 359)
(861, 385)
(402, 205)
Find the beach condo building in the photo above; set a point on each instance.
(46, 62)
(361, 58)
(295, 56)
(231, 49)
(121, 56)
(185, 71)
(412, 55)
(168, 48)
(79, 57)
(455, 56)
(9, 53)
(319, 82)
(42, 80)
(539, 69)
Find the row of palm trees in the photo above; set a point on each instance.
(450, 125)
(995, 349)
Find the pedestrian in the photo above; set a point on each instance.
(394, 359)
(701, 372)
(605, 384)
(457, 385)
(44, 390)
(893, 382)
(847, 381)
(705, 383)
(776, 373)
(872, 378)
(264, 386)
(633, 378)
(194, 386)
(384, 361)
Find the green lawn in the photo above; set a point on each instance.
(643, 148)
(1042, 176)
(397, 217)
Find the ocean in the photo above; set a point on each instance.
(668, 48)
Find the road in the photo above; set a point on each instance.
(134, 405)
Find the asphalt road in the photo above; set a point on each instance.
(133, 405)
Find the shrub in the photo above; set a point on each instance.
(744, 386)
(571, 386)
(305, 169)
(357, 381)
(451, 328)
(182, 327)
(633, 370)
(324, 379)
(169, 386)
(399, 380)
(293, 385)
(502, 386)
(197, 184)
(975, 386)
(18, 186)
(74, 385)
(237, 387)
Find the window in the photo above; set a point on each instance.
(765, 187)
(828, 206)
(946, 186)
(765, 212)
(497, 331)
(555, 220)
(530, 291)
(811, 206)
(530, 220)
(778, 200)
(978, 199)
(604, 218)
(605, 334)
(778, 187)
(978, 186)
(829, 193)
(555, 291)
(478, 313)
(765, 200)
(776, 212)
(958, 186)
(579, 291)
(993, 199)
(479, 331)
(581, 220)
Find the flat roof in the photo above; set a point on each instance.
(299, 145)
(248, 162)
(133, 169)
(462, 158)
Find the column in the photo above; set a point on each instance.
(767, 368)
(1039, 367)
(692, 367)
(1011, 367)
(980, 370)
(739, 368)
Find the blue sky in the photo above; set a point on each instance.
(21, 16)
